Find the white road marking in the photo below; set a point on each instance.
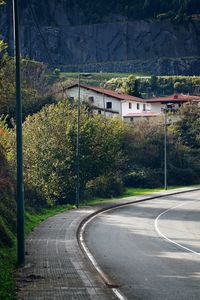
(118, 294)
(116, 291)
(164, 236)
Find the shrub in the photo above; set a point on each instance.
(50, 151)
(6, 237)
(35, 87)
(145, 178)
(105, 186)
(178, 176)
(7, 203)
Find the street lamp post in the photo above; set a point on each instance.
(166, 123)
(78, 139)
(103, 84)
(165, 149)
(19, 148)
(104, 103)
(78, 146)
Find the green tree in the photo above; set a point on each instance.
(33, 98)
(130, 86)
(154, 84)
(50, 147)
(187, 127)
(146, 156)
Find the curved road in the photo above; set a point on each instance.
(151, 250)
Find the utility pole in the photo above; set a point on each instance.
(78, 146)
(165, 148)
(103, 84)
(20, 180)
(78, 138)
(104, 104)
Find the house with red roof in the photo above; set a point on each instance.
(110, 103)
(113, 103)
(172, 103)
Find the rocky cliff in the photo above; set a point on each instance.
(52, 33)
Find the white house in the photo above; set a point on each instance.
(109, 102)
(173, 102)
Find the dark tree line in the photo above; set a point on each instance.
(138, 9)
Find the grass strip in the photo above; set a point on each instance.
(129, 192)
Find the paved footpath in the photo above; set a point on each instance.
(56, 267)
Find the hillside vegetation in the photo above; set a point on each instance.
(143, 9)
(147, 86)
(7, 228)
(36, 80)
(7, 203)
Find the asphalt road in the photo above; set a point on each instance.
(151, 250)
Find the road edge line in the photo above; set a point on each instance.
(165, 238)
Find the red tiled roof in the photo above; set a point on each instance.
(110, 93)
(143, 114)
(174, 98)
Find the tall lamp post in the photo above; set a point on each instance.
(78, 139)
(165, 148)
(166, 123)
(104, 103)
(20, 183)
(103, 84)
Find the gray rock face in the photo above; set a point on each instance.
(51, 33)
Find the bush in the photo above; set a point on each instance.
(105, 186)
(6, 237)
(7, 204)
(35, 87)
(182, 176)
(145, 178)
(50, 152)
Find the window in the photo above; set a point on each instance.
(131, 119)
(130, 105)
(148, 106)
(144, 107)
(91, 99)
(99, 112)
(138, 106)
(108, 104)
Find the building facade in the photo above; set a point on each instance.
(109, 102)
(112, 103)
(172, 102)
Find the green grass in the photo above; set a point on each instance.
(35, 217)
(139, 191)
(129, 192)
(7, 280)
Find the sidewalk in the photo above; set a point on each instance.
(56, 268)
